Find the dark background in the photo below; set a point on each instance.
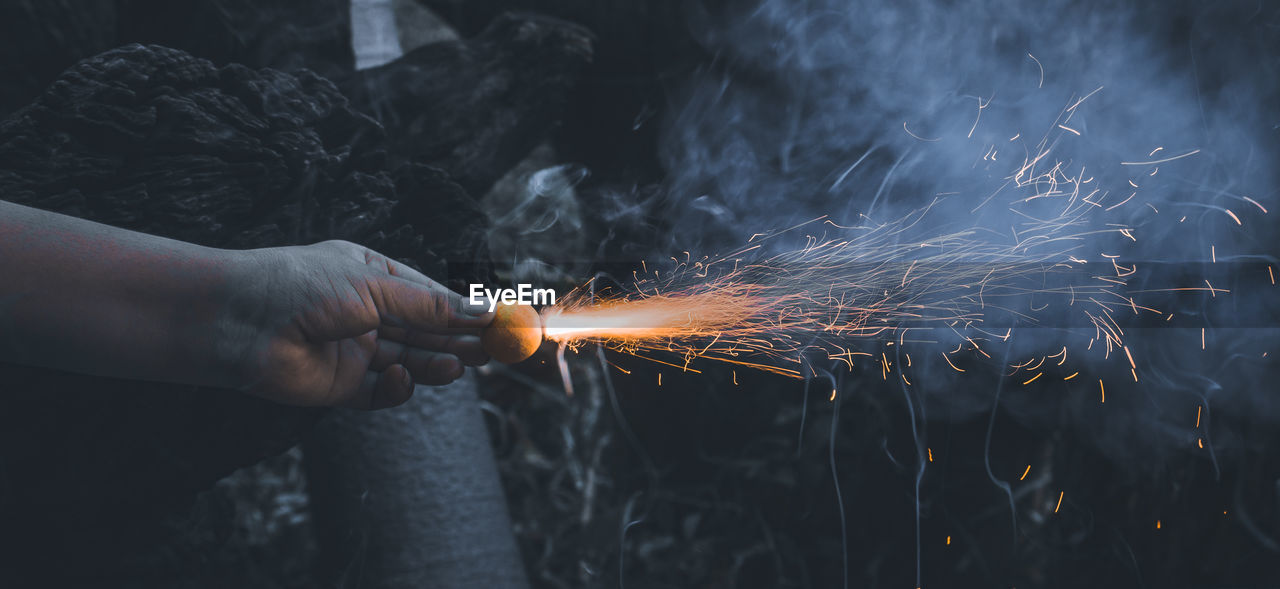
(697, 124)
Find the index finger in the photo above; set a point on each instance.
(396, 268)
(425, 307)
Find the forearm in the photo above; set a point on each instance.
(85, 297)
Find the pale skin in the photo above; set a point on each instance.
(329, 324)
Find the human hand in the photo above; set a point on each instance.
(336, 323)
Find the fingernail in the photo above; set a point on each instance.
(408, 379)
(474, 310)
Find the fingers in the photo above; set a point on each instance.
(395, 268)
(395, 369)
(405, 297)
(422, 364)
(425, 307)
(461, 314)
(465, 345)
(380, 390)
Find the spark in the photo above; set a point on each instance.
(1256, 204)
(1103, 390)
(981, 106)
(1086, 97)
(1168, 159)
(1024, 473)
(904, 128)
(1233, 217)
(1127, 199)
(619, 368)
(842, 286)
(930, 454)
(1039, 84)
(848, 292)
(1059, 505)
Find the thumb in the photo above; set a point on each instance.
(424, 306)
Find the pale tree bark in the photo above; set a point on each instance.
(411, 497)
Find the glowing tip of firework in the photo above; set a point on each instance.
(514, 335)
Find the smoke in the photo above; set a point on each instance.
(800, 91)
(862, 111)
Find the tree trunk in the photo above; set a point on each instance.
(411, 497)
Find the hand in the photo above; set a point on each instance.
(336, 323)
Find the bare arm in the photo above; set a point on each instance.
(327, 324)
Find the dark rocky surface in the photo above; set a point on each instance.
(42, 38)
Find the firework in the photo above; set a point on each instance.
(824, 292)
(845, 293)
(514, 334)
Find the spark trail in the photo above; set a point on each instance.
(847, 290)
(847, 293)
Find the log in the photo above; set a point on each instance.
(411, 497)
